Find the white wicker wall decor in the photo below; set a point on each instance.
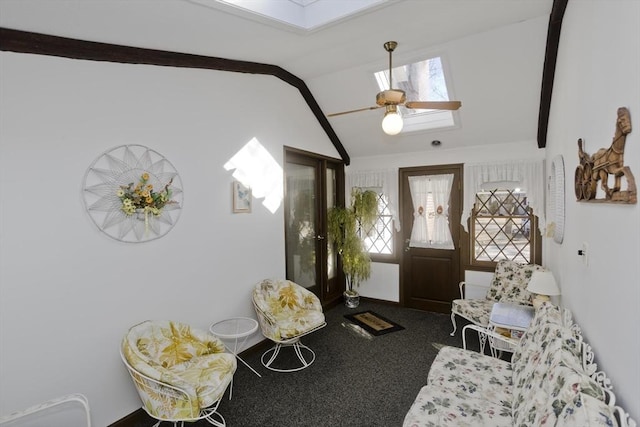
(133, 194)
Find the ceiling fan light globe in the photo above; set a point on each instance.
(392, 123)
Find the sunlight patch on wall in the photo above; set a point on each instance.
(257, 169)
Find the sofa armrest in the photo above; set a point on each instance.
(472, 290)
(462, 285)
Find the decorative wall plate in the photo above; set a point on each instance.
(133, 194)
(556, 189)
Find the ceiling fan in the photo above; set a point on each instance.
(391, 98)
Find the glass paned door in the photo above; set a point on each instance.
(301, 224)
(312, 186)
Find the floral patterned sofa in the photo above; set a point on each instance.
(549, 381)
(181, 373)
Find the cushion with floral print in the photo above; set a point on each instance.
(548, 340)
(510, 280)
(433, 408)
(541, 337)
(586, 411)
(545, 396)
(474, 310)
(285, 309)
(479, 375)
(182, 357)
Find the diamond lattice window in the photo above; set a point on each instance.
(502, 226)
(379, 240)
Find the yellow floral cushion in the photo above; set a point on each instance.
(188, 359)
(286, 310)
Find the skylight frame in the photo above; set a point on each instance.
(299, 16)
(422, 120)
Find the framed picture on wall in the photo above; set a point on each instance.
(241, 198)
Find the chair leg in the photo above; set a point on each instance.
(299, 349)
(212, 415)
(453, 320)
(218, 423)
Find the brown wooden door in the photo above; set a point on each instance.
(429, 277)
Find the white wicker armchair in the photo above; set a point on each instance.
(286, 312)
(180, 373)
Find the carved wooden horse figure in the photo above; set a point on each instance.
(611, 160)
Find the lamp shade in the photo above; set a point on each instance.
(392, 121)
(543, 283)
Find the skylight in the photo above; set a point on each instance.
(422, 81)
(299, 15)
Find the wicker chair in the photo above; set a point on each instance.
(180, 373)
(509, 284)
(286, 312)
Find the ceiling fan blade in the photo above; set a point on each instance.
(433, 105)
(354, 111)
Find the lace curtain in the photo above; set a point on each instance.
(529, 173)
(385, 181)
(430, 195)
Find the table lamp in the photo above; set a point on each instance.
(542, 284)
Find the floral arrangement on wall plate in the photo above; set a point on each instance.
(133, 194)
(142, 198)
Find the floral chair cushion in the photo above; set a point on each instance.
(474, 374)
(508, 284)
(510, 280)
(474, 310)
(181, 357)
(286, 310)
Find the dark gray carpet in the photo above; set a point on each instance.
(353, 382)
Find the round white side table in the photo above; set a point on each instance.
(234, 333)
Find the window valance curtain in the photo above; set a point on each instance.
(385, 181)
(529, 173)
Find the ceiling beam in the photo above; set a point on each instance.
(42, 44)
(549, 70)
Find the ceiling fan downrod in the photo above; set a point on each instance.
(390, 47)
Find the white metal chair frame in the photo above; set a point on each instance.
(172, 392)
(497, 342)
(48, 405)
(462, 285)
(294, 342)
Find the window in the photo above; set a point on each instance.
(421, 81)
(379, 240)
(503, 226)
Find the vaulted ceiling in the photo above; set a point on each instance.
(495, 51)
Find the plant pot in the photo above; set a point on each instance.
(351, 299)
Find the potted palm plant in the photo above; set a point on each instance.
(347, 227)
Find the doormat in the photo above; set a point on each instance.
(374, 323)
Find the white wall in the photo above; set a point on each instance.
(384, 282)
(68, 292)
(598, 71)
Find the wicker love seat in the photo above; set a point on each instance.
(550, 381)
